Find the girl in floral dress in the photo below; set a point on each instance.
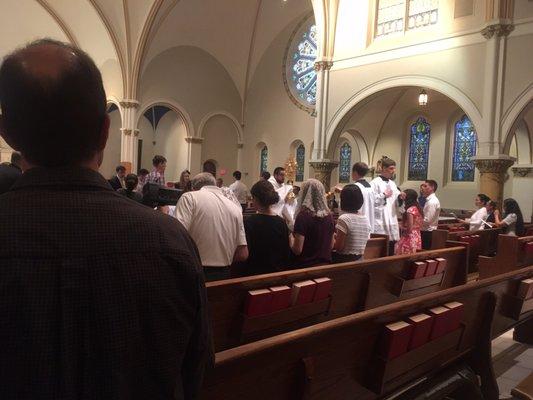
(410, 239)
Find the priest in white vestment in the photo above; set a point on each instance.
(387, 210)
(278, 181)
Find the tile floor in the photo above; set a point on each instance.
(512, 362)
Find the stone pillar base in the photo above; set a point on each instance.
(493, 171)
(323, 170)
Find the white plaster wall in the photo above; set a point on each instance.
(147, 134)
(220, 144)
(270, 116)
(192, 78)
(170, 143)
(112, 149)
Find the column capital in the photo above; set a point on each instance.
(499, 29)
(523, 170)
(323, 65)
(493, 164)
(323, 170)
(127, 131)
(192, 139)
(129, 103)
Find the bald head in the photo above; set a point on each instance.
(53, 104)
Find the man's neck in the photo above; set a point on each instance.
(92, 164)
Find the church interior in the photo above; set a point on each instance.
(443, 87)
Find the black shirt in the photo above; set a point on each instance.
(133, 195)
(100, 297)
(268, 244)
(9, 174)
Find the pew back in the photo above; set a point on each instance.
(337, 359)
(511, 254)
(355, 286)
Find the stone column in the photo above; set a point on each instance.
(322, 171)
(194, 154)
(493, 173)
(322, 69)
(130, 133)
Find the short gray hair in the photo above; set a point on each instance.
(203, 179)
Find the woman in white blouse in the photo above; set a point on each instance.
(513, 218)
(476, 221)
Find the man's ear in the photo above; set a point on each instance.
(5, 135)
(104, 133)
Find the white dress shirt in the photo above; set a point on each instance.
(431, 213)
(240, 191)
(214, 223)
(386, 210)
(476, 220)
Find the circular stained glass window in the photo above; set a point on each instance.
(299, 73)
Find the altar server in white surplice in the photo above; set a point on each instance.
(386, 211)
(359, 171)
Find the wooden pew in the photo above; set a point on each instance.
(511, 255)
(356, 286)
(488, 239)
(338, 359)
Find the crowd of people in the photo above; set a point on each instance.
(105, 298)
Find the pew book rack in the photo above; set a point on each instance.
(426, 356)
(514, 307)
(402, 286)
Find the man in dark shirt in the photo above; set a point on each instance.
(10, 172)
(101, 298)
(117, 182)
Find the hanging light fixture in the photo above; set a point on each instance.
(423, 98)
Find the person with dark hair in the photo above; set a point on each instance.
(278, 181)
(265, 175)
(157, 175)
(353, 229)
(90, 313)
(129, 191)
(142, 176)
(513, 220)
(412, 220)
(117, 182)
(220, 183)
(421, 198)
(491, 207)
(240, 190)
(431, 212)
(314, 226)
(266, 233)
(479, 217)
(386, 194)
(359, 171)
(10, 172)
(185, 181)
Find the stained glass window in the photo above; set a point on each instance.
(422, 13)
(300, 162)
(419, 150)
(391, 15)
(464, 148)
(303, 75)
(345, 163)
(264, 160)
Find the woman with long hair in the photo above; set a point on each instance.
(267, 234)
(129, 191)
(314, 226)
(185, 182)
(412, 220)
(513, 220)
(491, 207)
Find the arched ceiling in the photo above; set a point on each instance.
(124, 35)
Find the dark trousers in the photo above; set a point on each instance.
(392, 244)
(342, 258)
(426, 240)
(216, 273)
(244, 207)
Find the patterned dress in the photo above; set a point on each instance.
(410, 242)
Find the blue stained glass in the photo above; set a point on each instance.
(264, 159)
(303, 61)
(419, 150)
(345, 163)
(300, 162)
(464, 148)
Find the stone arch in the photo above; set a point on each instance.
(335, 126)
(207, 117)
(172, 105)
(522, 104)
